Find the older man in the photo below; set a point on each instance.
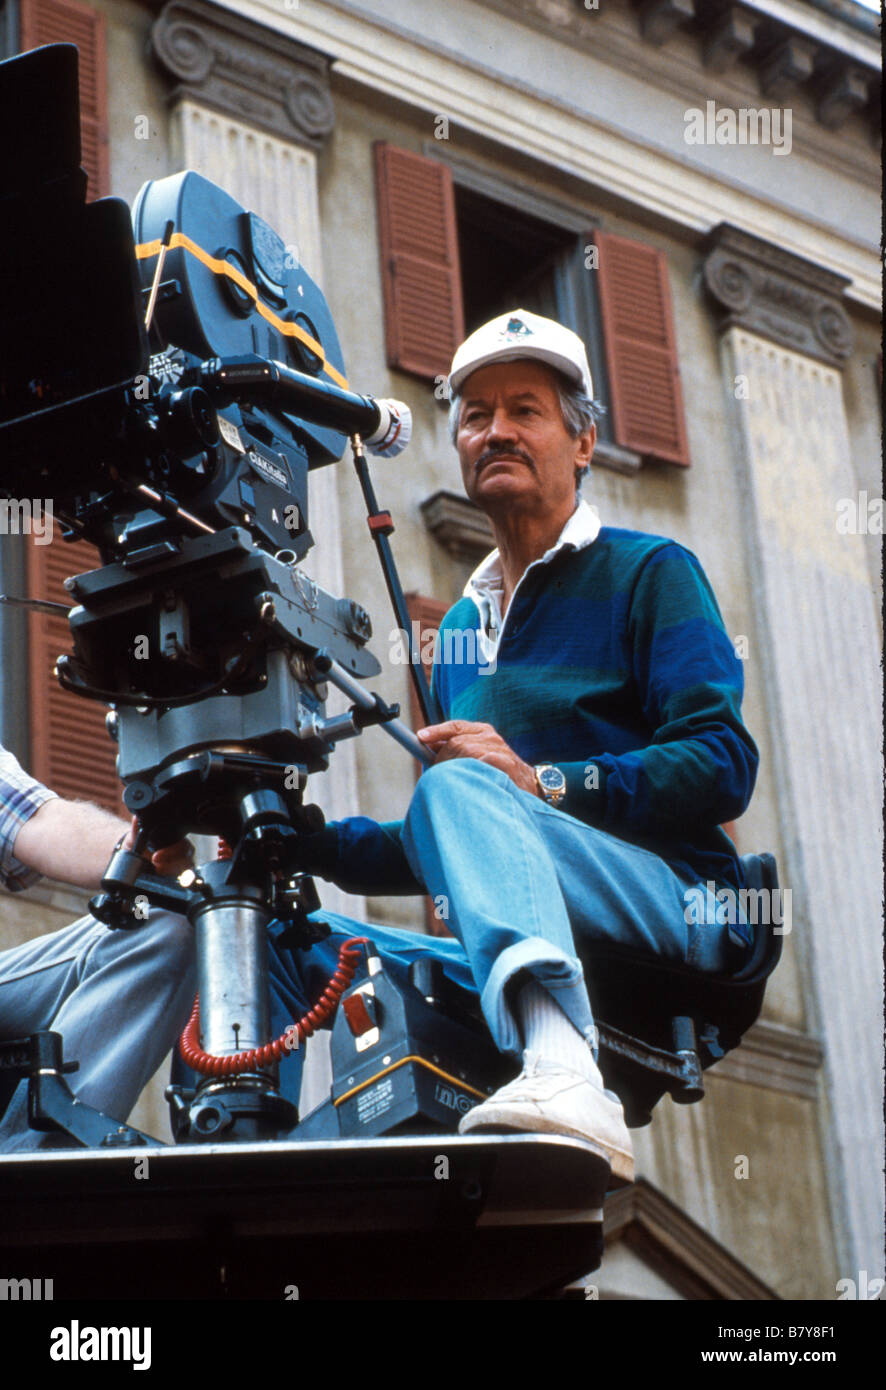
(592, 747)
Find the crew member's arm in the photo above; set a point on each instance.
(69, 840)
(72, 841)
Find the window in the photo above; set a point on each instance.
(71, 751)
(456, 249)
(511, 258)
(507, 261)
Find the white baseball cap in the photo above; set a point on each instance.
(521, 334)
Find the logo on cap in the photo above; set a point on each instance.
(515, 328)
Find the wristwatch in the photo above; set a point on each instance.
(551, 783)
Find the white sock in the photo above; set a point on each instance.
(547, 1031)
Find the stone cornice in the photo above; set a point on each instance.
(789, 47)
(244, 70)
(777, 1058)
(779, 42)
(766, 290)
(677, 1248)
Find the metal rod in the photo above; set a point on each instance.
(395, 727)
(158, 272)
(168, 508)
(431, 712)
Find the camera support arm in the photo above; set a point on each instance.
(370, 708)
(380, 527)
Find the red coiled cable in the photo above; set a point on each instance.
(210, 1065)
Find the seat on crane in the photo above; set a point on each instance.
(662, 1025)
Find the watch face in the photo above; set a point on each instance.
(552, 779)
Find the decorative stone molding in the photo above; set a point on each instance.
(777, 1058)
(729, 35)
(659, 18)
(812, 596)
(244, 71)
(616, 457)
(785, 48)
(787, 64)
(757, 286)
(842, 90)
(682, 1252)
(459, 525)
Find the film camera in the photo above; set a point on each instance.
(170, 381)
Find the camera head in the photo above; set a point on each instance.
(169, 379)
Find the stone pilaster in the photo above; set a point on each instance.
(817, 619)
(234, 66)
(758, 286)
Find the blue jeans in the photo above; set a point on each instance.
(524, 887)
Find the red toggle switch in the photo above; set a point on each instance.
(360, 1013)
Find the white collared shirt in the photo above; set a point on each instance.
(486, 584)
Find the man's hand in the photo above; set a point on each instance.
(458, 738)
(170, 861)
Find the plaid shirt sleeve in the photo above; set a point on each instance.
(20, 797)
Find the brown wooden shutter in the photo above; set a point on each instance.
(641, 349)
(428, 613)
(421, 276)
(70, 21)
(71, 751)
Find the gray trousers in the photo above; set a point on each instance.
(119, 998)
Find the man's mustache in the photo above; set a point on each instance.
(491, 455)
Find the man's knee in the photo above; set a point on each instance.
(457, 778)
(165, 945)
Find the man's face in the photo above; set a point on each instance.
(514, 449)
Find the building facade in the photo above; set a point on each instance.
(694, 187)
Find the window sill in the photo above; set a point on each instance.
(607, 455)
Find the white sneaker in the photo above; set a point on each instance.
(547, 1099)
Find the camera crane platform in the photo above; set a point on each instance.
(412, 1217)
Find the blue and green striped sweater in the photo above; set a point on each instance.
(613, 664)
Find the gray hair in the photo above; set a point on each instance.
(578, 409)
